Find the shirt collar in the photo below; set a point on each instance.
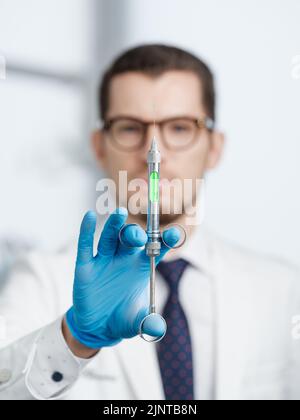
(196, 250)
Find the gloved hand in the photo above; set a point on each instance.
(110, 295)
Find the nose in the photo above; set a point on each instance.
(152, 131)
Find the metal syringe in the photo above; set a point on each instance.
(153, 321)
(153, 245)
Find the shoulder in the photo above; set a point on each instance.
(46, 262)
(46, 272)
(258, 267)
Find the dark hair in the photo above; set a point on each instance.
(154, 60)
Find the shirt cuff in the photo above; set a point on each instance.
(51, 368)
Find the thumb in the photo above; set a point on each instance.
(170, 237)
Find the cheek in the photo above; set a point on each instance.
(191, 164)
(116, 160)
(119, 161)
(198, 156)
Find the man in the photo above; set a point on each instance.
(229, 311)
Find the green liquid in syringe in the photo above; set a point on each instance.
(154, 187)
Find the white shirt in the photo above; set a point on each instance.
(239, 306)
(196, 294)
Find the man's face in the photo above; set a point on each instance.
(173, 94)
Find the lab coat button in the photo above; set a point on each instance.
(57, 377)
(5, 376)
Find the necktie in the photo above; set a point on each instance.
(175, 349)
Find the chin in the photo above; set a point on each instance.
(166, 219)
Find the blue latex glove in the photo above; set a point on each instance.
(111, 293)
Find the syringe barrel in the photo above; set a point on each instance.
(153, 228)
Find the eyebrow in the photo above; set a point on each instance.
(134, 117)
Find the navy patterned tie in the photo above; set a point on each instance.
(175, 349)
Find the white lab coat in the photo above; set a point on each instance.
(256, 356)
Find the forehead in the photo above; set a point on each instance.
(171, 94)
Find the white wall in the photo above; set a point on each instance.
(52, 34)
(253, 197)
(44, 181)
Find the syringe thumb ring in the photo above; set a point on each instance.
(153, 328)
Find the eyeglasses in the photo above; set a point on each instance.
(177, 134)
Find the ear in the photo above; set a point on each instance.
(98, 146)
(216, 149)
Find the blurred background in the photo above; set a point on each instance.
(52, 53)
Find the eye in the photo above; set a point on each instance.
(178, 127)
(130, 128)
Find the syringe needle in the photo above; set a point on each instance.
(152, 284)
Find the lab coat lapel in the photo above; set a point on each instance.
(230, 328)
(206, 251)
(140, 364)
